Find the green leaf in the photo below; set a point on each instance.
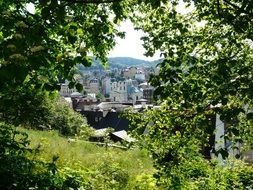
(79, 87)
(250, 116)
(72, 84)
(45, 12)
(86, 61)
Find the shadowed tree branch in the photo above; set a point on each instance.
(93, 1)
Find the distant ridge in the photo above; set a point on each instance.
(127, 61)
(120, 62)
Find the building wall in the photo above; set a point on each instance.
(118, 91)
(136, 96)
(130, 72)
(94, 86)
(66, 91)
(106, 86)
(148, 94)
(140, 76)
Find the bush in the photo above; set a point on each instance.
(67, 121)
(145, 182)
(37, 109)
(25, 106)
(107, 175)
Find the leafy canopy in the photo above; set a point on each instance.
(207, 71)
(39, 46)
(207, 67)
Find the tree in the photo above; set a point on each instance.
(41, 45)
(38, 46)
(207, 70)
(207, 67)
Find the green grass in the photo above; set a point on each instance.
(87, 155)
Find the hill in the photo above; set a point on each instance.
(120, 62)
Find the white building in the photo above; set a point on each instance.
(106, 86)
(140, 75)
(134, 94)
(94, 86)
(65, 90)
(118, 91)
(125, 91)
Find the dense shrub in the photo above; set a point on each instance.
(200, 174)
(38, 109)
(66, 120)
(105, 175)
(25, 106)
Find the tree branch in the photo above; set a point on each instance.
(93, 1)
(238, 8)
(218, 6)
(231, 4)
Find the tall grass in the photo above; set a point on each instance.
(86, 155)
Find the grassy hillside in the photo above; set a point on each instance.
(86, 155)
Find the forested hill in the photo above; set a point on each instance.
(119, 62)
(129, 61)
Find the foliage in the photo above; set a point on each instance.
(25, 106)
(207, 67)
(20, 167)
(145, 182)
(206, 71)
(50, 38)
(92, 166)
(36, 109)
(178, 152)
(100, 96)
(109, 175)
(68, 122)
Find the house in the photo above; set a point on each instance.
(134, 94)
(222, 143)
(118, 91)
(94, 85)
(148, 94)
(84, 102)
(106, 84)
(65, 90)
(129, 72)
(140, 76)
(99, 119)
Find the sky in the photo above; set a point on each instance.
(131, 45)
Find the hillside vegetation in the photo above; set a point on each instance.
(93, 163)
(120, 62)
